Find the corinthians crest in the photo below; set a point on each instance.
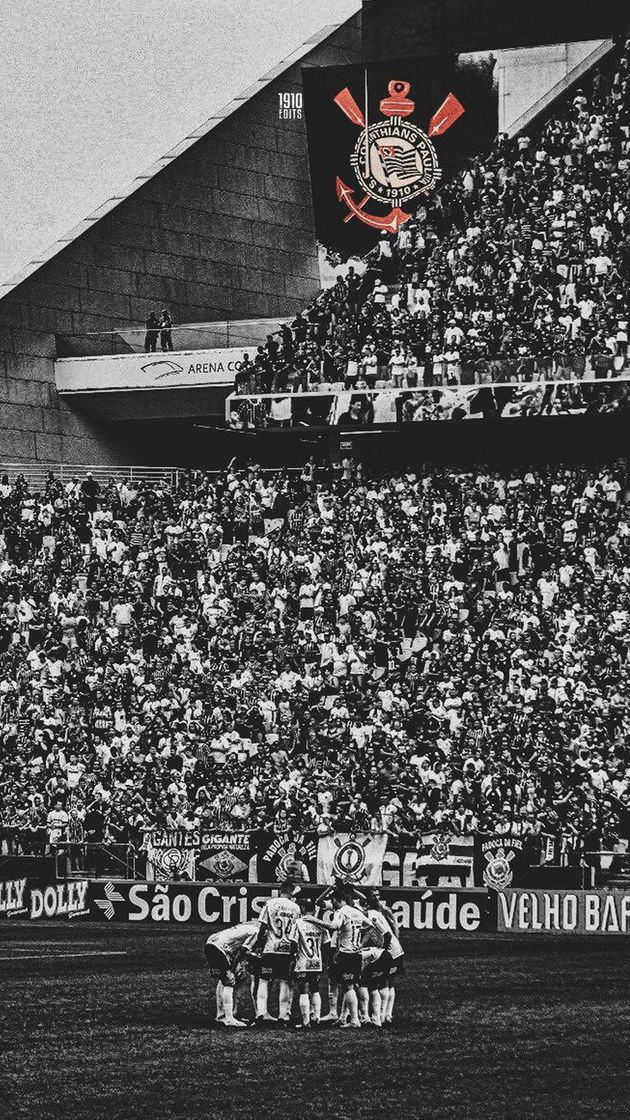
(393, 159)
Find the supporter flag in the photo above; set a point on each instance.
(382, 139)
(283, 856)
(504, 861)
(228, 857)
(165, 865)
(355, 857)
(445, 860)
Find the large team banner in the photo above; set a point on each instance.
(246, 856)
(383, 137)
(353, 857)
(430, 859)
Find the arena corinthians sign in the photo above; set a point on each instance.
(181, 369)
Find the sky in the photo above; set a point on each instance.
(92, 92)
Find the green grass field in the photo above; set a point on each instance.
(111, 1021)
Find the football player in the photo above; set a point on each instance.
(277, 939)
(346, 963)
(226, 953)
(312, 943)
(390, 964)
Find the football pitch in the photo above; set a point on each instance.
(112, 1022)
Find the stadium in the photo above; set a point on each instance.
(315, 595)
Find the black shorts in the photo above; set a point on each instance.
(308, 982)
(254, 964)
(397, 967)
(275, 966)
(376, 973)
(345, 968)
(219, 964)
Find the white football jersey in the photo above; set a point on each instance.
(230, 941)
(311, 940)
(380, 921)
(279, 918)
(349, 922)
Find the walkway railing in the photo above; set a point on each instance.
(37, 474)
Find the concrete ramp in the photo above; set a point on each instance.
(532, 78)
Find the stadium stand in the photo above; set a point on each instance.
(318, 648)
(517, 270)
(333, 649)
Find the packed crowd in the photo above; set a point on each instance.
(316, 649)
(516, 270)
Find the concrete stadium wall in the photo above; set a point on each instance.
(400, 28)
(223, 231)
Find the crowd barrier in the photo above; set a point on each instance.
(456, 911)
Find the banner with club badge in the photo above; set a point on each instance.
(383, 137)
(167, 865)
(504, 861)
(354, 857)
(228, 857)
(443, 859)
(283, 856)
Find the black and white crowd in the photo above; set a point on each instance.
(322, 648)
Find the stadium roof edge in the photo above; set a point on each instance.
(219, 115)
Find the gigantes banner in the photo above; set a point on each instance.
(383, 137)
(254, 856)
(563, 912)
(182, 369)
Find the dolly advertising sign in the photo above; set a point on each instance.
(563, 912)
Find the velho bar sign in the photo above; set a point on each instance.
(590, 912)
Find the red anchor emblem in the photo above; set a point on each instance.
(393, 159)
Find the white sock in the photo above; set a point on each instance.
(364, 1001)
(352, 1004)
(228, 1003)
(333, 999)
(316, 1006)
(219, 998)
(384, 994)
(305, 1009)
(286, 999)
(376, 1005)
(390, 1004)
(262, 997)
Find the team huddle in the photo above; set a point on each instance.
(347, 934)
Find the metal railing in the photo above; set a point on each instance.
(37, 474)
(227, 333)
